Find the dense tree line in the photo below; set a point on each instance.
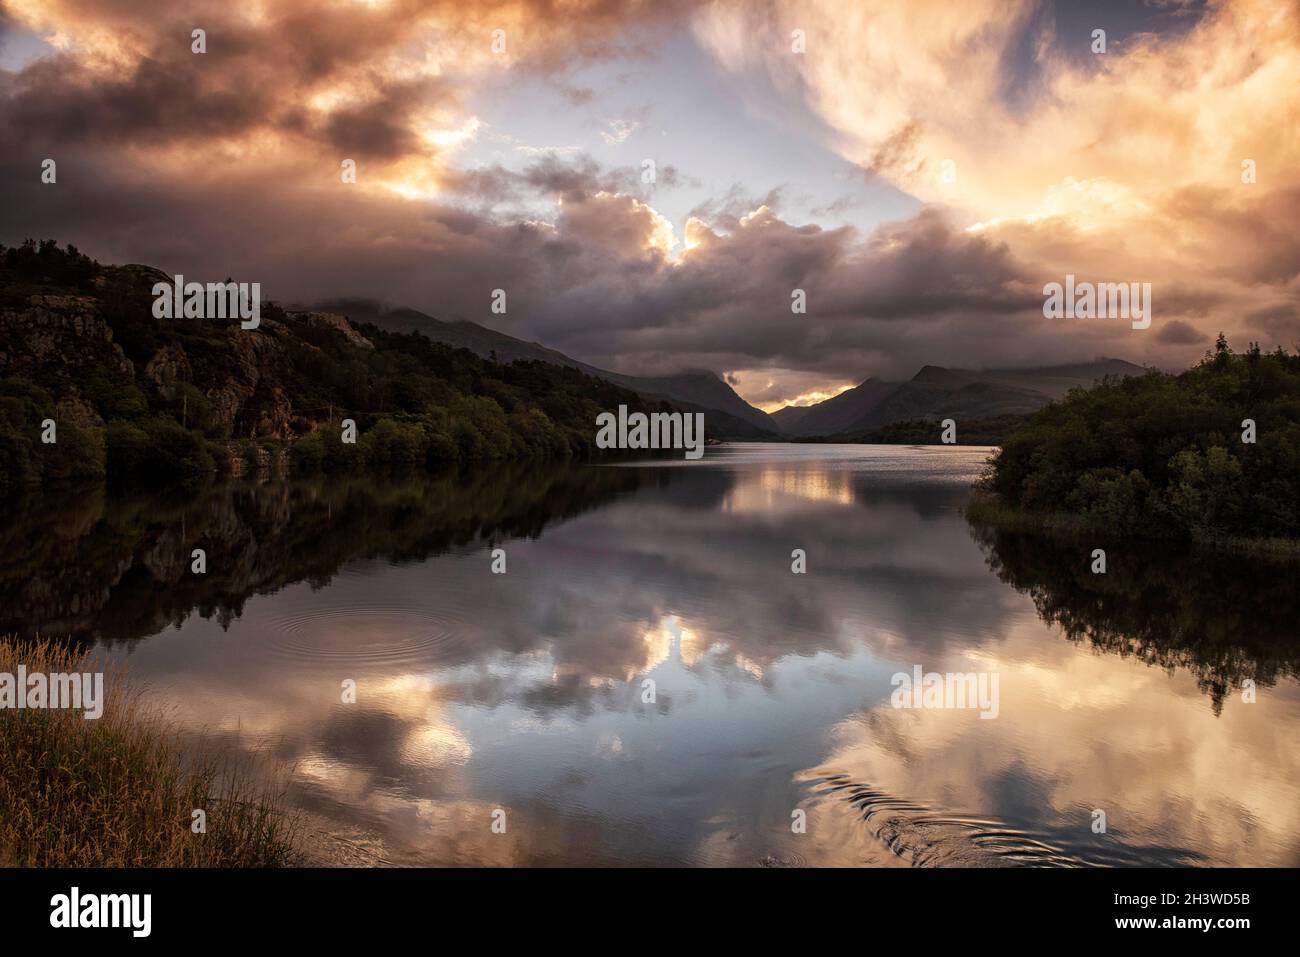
(45, 262)
(1165, 455)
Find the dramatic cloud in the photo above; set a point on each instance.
(1171, 159)
(1162, 159)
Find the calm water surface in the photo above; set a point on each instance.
(525, 691)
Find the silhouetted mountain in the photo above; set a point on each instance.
(1056, 381)
(938, 393)
(703, 391)
(835, 415)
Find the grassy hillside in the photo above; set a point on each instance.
(139, 398)
(1163, 455)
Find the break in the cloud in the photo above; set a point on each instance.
(1028, 157)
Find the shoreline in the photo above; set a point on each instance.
(987, 509)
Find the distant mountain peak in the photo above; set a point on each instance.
(939, 376)
(936, 392)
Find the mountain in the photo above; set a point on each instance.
(835, 415)
(704, 391)
(725, 411)
(936, 392)
(940, 393)
(132, 396)
(1056, 381)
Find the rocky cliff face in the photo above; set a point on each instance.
(62, 342)
(167, 369)
(334, 320)
(55, 339)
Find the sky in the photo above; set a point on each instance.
(919, 169)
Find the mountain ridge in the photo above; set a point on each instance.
(936, 392)
(702, 389)
(933, 392)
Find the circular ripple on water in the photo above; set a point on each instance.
(377, 634)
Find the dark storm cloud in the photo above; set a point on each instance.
(912, 288)
(578, 179)
(136, 80)
(1242, 233)
(166, 92)
(923, 266)
(1179, 333)
(383, 126)
(56, 101)
(593, 282)
(1279, 322)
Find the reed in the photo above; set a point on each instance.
(121, 790)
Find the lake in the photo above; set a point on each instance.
(649, 682)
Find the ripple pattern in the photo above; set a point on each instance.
(371, 634)
(926, 838)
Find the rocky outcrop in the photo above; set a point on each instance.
(168, 368)
(47, 335)
(337, 321)
(73, 408)
(64, 341)
(256, 460)
(246, 393)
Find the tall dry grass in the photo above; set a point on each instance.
(120, 791)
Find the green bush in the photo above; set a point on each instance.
(25, 460)
(116, 397)
(340, 456)
(17, 468)
(156, 449)
(308, 454)
(389, 442)
(77, 454)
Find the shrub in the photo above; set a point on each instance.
(389, 442)
(156, 449)
(77, 454)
